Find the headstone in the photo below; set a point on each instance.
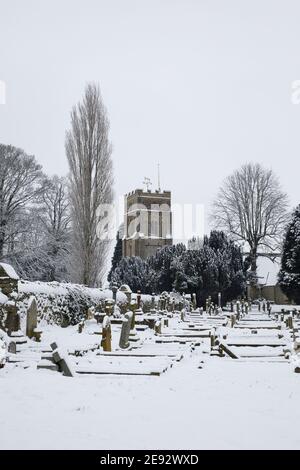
(157, 327)
(125, 331)
(106, 334)
(127, 291)
(31, 318)
(219, 299)
(117, 311)
(223, 346)
(12, 347)
(80, 326)
(62, 362)
(114, 289)
(153, 302)
(212, 338)
(194, 301)
(182, 314)
(138, 299)
(91, 313)
(12, 320)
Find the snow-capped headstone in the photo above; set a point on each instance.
(194, 301)
(117, 311)
(31, 318)
(62, 361)
(114, 289)
(157, 327)
(125, 330)
(219, 299)
(127, 291)
(91, 313)
(106, 334)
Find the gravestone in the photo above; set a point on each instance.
(139, 310)
(117, 311)
(127, 291)
(91, 313)
(62, 362)
(194, 301)
(153, 302)
(106, 334)
(12, 347)
(157, 327)
(114, 289)
(138, 299)
(12, 321)
(31, 318)
(182, 314)
(125, 331)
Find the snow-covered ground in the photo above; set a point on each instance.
(227, 404)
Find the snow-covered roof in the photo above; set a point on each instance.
(9, 270)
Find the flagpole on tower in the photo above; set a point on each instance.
(158, 177)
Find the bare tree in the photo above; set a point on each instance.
(251, 207)
(88, 151)
(20, 184)
(39, 244)
(54, 215)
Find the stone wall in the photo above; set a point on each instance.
(272, 293)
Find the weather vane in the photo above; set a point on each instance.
(147, 183)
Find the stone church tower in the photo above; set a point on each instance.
(147, 222)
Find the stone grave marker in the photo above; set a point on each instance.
(125, 330)
(61, 361)
(12, 347)
(106, 334)
(31, 318)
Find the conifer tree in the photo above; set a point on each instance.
(289, 275)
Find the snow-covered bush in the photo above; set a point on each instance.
(63, 303)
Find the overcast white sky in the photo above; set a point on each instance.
(201, 86)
